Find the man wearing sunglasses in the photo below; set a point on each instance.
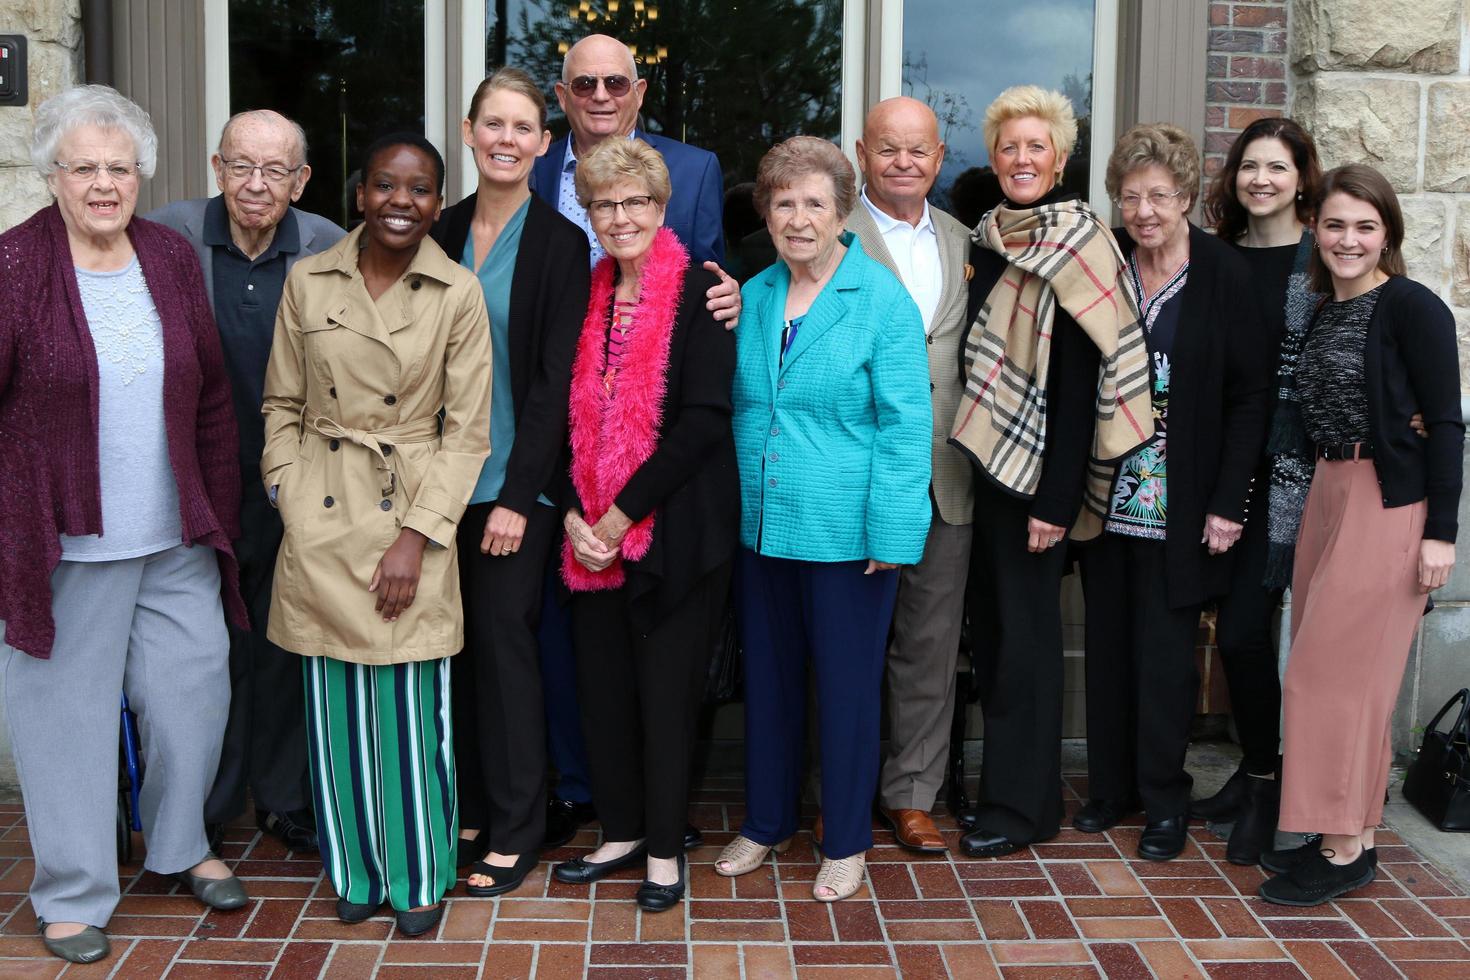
(247, 239)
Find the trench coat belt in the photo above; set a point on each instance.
(418, 430)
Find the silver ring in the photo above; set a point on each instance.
(1055, 540)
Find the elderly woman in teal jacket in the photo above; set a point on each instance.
(832, 424)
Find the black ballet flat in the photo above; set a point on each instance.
(653, 897)
(506, 879)
(580, 871)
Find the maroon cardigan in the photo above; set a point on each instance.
(49, 478)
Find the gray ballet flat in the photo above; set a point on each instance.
(87, 946)
(223, 894)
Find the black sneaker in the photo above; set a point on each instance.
(1283, 860)
(1317, 880)
(296, 830)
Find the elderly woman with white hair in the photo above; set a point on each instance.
(118, 501)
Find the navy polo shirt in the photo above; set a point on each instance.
(246, 294)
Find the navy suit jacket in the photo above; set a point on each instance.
(696, 208)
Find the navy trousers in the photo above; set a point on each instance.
(830, 617)
(559, 688)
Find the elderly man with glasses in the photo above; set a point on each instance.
(248, 238)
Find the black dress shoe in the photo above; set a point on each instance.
(580, 871)
(1162, 840)
(1317, 880)
(563, 819)
(506, 879)
(418, 923)
(354, 912)
(1225, 804)
(1100, 815)
(968, 820)
(1255, 824)
(692, 837)
(656, 898)
(980, 843)
(296, 830)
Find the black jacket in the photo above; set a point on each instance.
(548, 299)
(1219, 375)
(1411, 364)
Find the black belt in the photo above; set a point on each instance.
(1344, 450)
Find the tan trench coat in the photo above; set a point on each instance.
(356, 451)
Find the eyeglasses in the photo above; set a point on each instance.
(633, 206)
(242, 169)
(1156, 200)
(585, 86)
(80, 170)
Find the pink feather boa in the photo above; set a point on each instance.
(614, 434)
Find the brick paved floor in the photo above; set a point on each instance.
(1079, 906)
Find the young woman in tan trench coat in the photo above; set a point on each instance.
(376, 338)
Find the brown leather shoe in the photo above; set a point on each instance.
(915, 830)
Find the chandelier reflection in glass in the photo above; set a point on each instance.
(635, 19)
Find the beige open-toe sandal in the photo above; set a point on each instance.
(743, 855)
(843, 876)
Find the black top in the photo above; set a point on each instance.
(1329, 379)
(1071, 392)
(1270, 270)
(246, 294)
(548, 299)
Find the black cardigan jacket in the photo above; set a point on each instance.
(548, 299)
(1219, 375)
(1411, 364)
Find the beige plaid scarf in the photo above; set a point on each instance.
(1057, 253)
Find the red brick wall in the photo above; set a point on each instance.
(1246, 78)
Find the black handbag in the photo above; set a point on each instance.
(726, 666)
(1438, 780)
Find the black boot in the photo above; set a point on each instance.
(1225, 805)
(1255, 824)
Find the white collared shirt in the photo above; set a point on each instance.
(915, 251)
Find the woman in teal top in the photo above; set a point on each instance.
(832, 433)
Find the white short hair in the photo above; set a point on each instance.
(271, 117)
(92, 105)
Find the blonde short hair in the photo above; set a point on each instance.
(616, 159)
(1048, 105)
(1155, 143)
(802, 156)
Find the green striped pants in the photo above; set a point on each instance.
(382, 771)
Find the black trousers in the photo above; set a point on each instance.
(265, 733)
(1243, 634)
(499, 721)
(1142, 680)
(1015, 616)
(640, 696)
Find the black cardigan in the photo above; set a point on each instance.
(548, 299)
(1219, 375)
(690, 483)
(1411, 364)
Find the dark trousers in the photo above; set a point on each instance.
(640, 701)
(1243, 634)
(559, 688)
(1016, 631)
(1142, 681)
(833, 618)
(500, 747)
(265, 732)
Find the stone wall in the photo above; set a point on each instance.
(53, 33)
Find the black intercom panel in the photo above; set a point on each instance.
(13, 69)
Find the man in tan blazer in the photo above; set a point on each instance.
(900, 154)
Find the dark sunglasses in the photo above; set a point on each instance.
(585, 86)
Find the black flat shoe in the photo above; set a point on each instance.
(1226, 803)
(1163, 840)
(692, 837)
(506, 879)
(1100, 815)
(418, 923)
(1317, 880)
(563, 819)
(296, 830)
(981, 843)
(87, 946)
(223, 894)
(353, 912)
(1255, 823)
(658, 898)
(580, 871)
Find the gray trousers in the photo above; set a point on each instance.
(921, 668)
(152, 626)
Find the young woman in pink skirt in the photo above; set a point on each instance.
(1378, 533)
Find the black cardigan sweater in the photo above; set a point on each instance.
(548, 299)
(1411, 364)
(1219, 375)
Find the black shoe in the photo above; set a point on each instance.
(1225, 805)
(418, 923)
(1162, 840)
(968, 820)
(506, 879)
(353, 913)
(215, 834)
(657, 898)
(692, 837)
(1255, 824)
(563, 819)
(1317, 880)
(1100, 815)
(980, 843)
(1287, 858)
(296, 830)
(580, 871)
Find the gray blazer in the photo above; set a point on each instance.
(187, 218)
(952, 475)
